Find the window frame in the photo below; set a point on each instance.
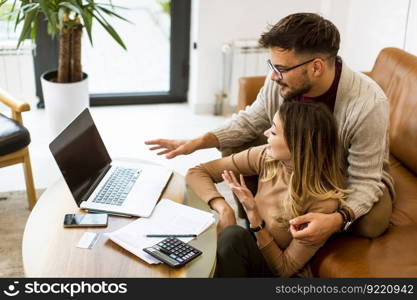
(47, 55)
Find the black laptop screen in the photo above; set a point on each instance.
(81, 155)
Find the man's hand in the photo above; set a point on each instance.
(315, 228)
(173, 148)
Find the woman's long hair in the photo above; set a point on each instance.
(311, 134)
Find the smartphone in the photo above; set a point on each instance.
(84, 220)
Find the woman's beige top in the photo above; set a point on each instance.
(285, 256)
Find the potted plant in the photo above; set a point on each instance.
(65, 90)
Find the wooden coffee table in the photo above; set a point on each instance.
(49, 249)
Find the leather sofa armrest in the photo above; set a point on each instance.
(248, 90)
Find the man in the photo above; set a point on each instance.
(305, 67)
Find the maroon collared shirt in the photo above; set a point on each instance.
(329, 97)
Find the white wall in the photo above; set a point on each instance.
(411, 36)
(366, 26)
(215, 22)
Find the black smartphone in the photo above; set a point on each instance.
(85, 220)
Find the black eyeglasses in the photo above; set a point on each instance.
(279, 72)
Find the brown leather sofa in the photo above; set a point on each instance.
(393, 254)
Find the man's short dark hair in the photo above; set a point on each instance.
(305, 33)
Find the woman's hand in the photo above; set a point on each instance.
(240, 190)
(226, 213)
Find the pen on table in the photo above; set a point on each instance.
(171, 235)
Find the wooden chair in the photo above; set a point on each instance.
(14, 141)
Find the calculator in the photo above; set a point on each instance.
(173, 252)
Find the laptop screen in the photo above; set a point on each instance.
(81, 155)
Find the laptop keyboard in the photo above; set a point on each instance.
(118, 186)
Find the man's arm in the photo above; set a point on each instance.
(248, 124)
(365, 158)
(173, 148)
(244, 127)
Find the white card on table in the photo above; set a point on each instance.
(88, 240)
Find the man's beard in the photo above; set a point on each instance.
(305, 88)
(295, 93)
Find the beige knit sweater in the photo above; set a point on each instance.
(362, 115)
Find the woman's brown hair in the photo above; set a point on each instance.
(310, 131)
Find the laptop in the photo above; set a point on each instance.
(99, 184)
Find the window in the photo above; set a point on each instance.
(154, 69)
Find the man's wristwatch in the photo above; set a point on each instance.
(258, 228)
(347, 220)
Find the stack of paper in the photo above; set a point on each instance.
(169, 217)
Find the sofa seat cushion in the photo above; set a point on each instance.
(391, 255)
(13, 136)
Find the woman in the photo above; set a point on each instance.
(299, 172)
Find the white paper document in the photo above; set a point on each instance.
(169, 217)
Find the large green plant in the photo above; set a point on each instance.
(65, 18)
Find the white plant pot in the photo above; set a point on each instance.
(63, 101)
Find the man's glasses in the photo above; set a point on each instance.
(280, 71)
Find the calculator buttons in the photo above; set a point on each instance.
(173, 252)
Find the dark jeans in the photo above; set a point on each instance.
(238, 255)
